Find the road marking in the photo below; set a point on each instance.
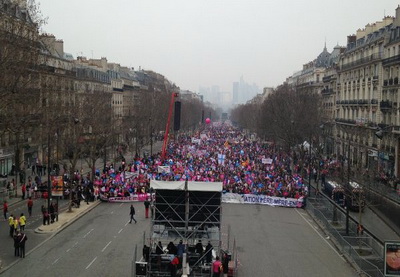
(121, 204)
(91, 263)
(87, 233)
(55, 261)
(72, 247)
(324, 239)
(120, 230)
(106, 246)
(127, 223)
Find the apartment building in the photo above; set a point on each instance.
(361, 107)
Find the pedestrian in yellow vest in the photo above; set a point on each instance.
(22, 222)
(15, 224)
(11, 224)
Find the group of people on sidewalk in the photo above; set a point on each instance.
(17, 228)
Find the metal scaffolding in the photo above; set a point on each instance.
(186, 212)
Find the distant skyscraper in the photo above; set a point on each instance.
(243, 92)
(235, 93)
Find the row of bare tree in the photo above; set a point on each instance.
(286, 117)
(45, 105)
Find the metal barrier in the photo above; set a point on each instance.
(352, 245)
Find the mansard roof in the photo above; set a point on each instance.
(323, 58)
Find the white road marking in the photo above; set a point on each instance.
(120, 230)
(121, 204)
(91, 263)
(106, 246)
(324, 239)
(55, 261)
(127, 223)
(69, 249)
(87, 233)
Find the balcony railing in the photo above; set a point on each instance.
(391, 61)
(345, 121)
(373, 57)
(385, 105)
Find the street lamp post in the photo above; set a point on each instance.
(48, 173)
(309, 168)
(348, 188)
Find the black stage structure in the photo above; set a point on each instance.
(183, 211)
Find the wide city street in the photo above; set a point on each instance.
(270, 242)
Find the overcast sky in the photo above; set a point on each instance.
(209, 42)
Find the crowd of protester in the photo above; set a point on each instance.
(219, 153)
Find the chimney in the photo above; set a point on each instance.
(59, 47)
(397, 17)
(49, 41)
(351, 39)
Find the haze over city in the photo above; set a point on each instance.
(209, 43)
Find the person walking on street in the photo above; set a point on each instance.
(16, 224)
(52, 216)
(132, 214)
(209, 249)
(5, 209)
(16, 244)
(11, 224)
(30, 205)
(146, 207)
(23, 189)
(22, 222)
(46, 216)
(23, 238)
(216, 267)
(174, 266)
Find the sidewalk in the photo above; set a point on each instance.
(66, 218)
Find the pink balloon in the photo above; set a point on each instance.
(208, 121)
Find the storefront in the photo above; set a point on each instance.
(6, 161)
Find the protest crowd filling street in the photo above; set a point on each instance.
(219, 153)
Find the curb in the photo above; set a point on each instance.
(53, 233)
(336, 245)
(68, 222)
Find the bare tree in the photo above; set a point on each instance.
(290, 116)
(20, 64)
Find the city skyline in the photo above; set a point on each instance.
(206, 43)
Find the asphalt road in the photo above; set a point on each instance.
(36, 220)
(101, 243)
(276, 241)
(270, 242)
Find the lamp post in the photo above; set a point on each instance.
(48, 172)
(348, 188)
(309, 168)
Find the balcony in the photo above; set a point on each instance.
(327, 91)
(363, 101)
(345, 121)
(326, 79)
(391, 61)
(385, 105)
(361, 61)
